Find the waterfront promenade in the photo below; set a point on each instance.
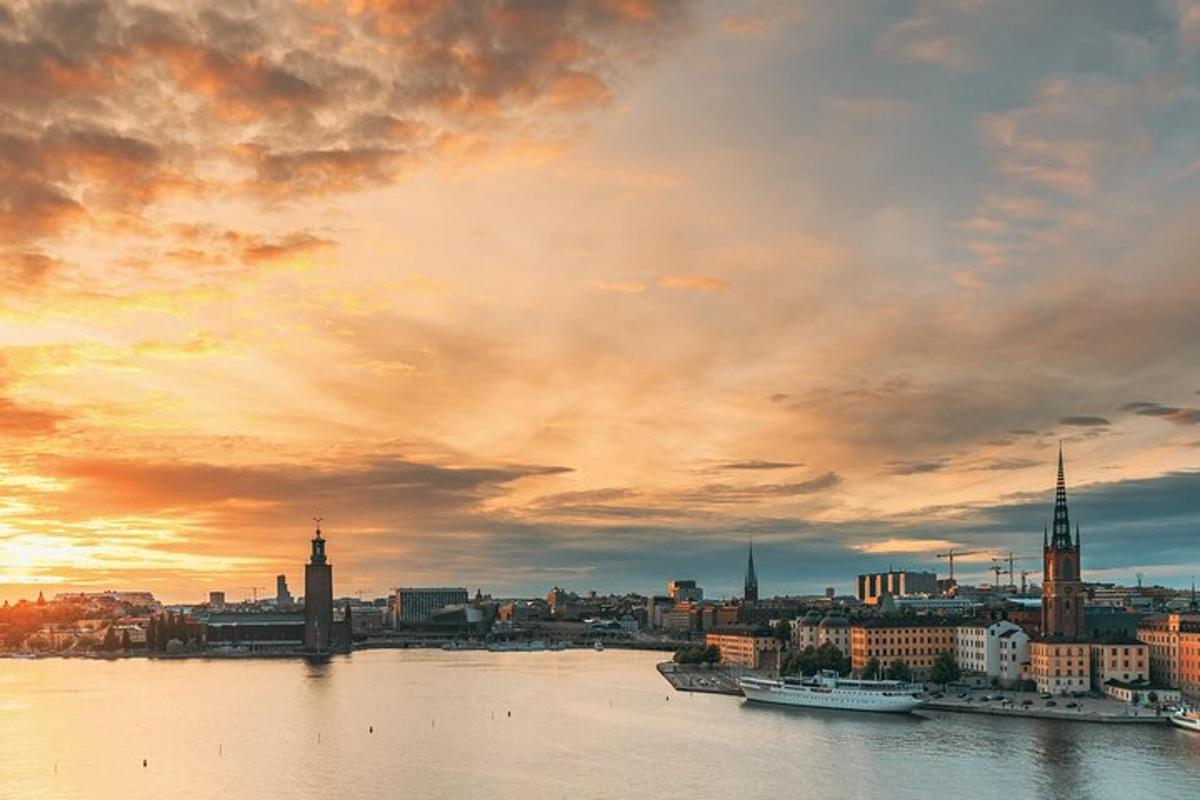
(723, 680)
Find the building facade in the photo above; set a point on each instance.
(1060, 667)
(1014, 653)
(1173, 646)
(916, 642)
(685, 591)
(978, 647)
(416, 605)
(1123, 663)
(871, 587)
(746, 646)
(318, 598)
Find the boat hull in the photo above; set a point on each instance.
(836, 699)
(1187, 723)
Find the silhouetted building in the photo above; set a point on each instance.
(415, 605)
(216, 599)
(871, 587)
(750, 592)
(318, 598)
(686, 591)
(283, 597)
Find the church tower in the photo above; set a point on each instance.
(750, 596)
(1062, 586)
(318, 597)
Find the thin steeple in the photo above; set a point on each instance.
(1061, 538)
(751, 587)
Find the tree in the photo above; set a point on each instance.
(125, 640)
(783, 631)
(1152, 697)
(110, 640)
(872, 669)
(712, 654)
(945, 669)
(898, 671)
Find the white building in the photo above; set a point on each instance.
(813, 630)
(1014, 651)
(978, 648)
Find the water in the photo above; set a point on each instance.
(583, 725)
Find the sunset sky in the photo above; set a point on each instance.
(588, 293)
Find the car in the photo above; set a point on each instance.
(1044, 695)
(1026, 703)
(937, 695)
(1050, 703)
(1072, 704)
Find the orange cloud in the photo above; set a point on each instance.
(704, 283)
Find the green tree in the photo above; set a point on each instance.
(945, 669)
(898, 671)
(830, 657)
(1152, 697)
(783, 631)
(711, 654)
(872, 669)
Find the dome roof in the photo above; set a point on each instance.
(834, 621)
(811, 619)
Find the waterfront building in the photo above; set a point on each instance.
(318, 597)
(915, 641)
(1126, 662)
(814, 630)
(1059, 667)
(416, 605)
(922, 603)
(216, 600)
(747, 646)
(978, 650)
(283, 597)
(257, 631)
(871, 587)
(1173, 644)
(1059, 660)
(750, 589)
(1014, 653)
(685, 590)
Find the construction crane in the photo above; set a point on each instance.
(1009, 559)
(254, 591)
(996, 568)
(953, 554)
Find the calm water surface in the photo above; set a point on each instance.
(583, 725)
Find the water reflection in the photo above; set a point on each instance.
(583, 725)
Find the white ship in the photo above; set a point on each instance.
(1186, 718)
(827, 690)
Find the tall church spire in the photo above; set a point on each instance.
(751, 588)
(1061, 539)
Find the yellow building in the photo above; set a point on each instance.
(1060, 667)
(1173, 642)
(916, 642)
(1125, 663)
(746, 646)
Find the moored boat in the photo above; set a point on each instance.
(1186, 718)
(827, 690)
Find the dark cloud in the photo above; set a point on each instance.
(1002, 464)
(759, 465)
(916, 467)
(1084, 422)
(371, 486)
(1180, 416)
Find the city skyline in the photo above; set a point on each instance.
(591, 294)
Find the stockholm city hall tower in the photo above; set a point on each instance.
(1062, 587)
